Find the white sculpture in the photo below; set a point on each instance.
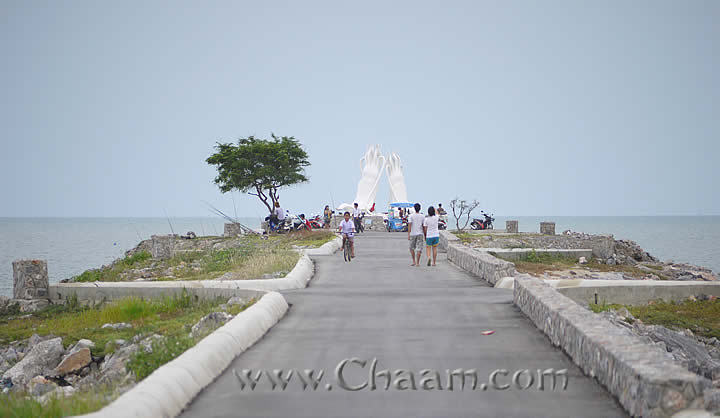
(396, 178)
(371, 167)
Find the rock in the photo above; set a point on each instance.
(59, 392)
(73, 362)
(4, 366)
(114, 369)
(33, 305)
(33, 341)
(235, 300)
(41, 360)
(625, 314)
(121, 325)
(686, 350)
(39, 386)
(209, 323)
(147, 343)
(10, 355)
(610, 261)
(712, 399)
(4, 302)
(84, 343)
(582, 260)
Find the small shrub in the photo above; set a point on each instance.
(163, 351)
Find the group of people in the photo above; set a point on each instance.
(423, 231)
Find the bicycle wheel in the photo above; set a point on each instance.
(347, 253)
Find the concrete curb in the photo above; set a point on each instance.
(479, 263)
(639, 374)
(298, 278)
(171, 387)
(328, 248)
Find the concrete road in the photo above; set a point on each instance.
(411, 319)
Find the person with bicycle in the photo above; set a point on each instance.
(347, 228)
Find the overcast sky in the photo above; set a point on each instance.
(534, 108)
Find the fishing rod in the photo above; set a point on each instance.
(220, 213)
(169, 223)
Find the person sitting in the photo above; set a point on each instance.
(440, 210)
(277, 217)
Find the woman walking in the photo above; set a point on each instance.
(432, 234)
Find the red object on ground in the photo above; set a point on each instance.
(487, 332)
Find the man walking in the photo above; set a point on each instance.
(416, 235)
(356, 217)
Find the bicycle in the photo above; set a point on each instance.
(347, 251)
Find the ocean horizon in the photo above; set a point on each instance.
(72, 245)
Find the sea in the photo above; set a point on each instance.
(73, 245)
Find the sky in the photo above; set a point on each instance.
(533, 108)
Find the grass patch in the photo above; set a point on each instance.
(700, 317)
(249, 258)
(169, 316)
(163, 351)
(18, 405)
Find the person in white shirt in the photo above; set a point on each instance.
(277, 217)
(416, 235)
(432, 234)
(347, 228)
(356, 217)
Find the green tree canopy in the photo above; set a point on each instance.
(260, 166)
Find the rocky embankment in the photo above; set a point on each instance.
(700, 355)
(615, 259)
(41, 366)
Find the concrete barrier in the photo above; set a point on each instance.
(446, 237)
(632, 292)
(637, 373)
(172, 386)
(328, 248)
(479, 263)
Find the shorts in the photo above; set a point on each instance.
(349, 236)
(433, 242)
(416, 242)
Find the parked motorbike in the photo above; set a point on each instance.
(481, 224)
(442, 222)
(317, 222)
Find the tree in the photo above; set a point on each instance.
(260, 167)
(462, 208)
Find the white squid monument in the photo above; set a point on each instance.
(372, 165)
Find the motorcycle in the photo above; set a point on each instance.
(442, 222)
(317, 222)
(482, 224)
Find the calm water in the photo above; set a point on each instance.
(72, 245)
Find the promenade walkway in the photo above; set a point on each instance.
(411, 318)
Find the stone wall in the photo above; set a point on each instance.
(479, 263)
(637, 373)
(30, 279)
(447, 237)
(602, 246)
(232, 230)
(547, 228)
(163, 246)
